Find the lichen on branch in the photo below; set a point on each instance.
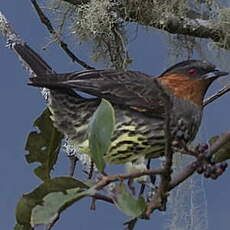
(105, 23)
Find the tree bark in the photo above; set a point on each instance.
(195, 27)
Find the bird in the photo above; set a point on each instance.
(139, 101)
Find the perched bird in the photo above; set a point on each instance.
(137, 99)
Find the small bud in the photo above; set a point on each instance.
(206, 174)
(219, 171)
(207, 155)
(210, 169)
(200, 170)
(205, 146)
(202, 148)
(194, 164)
(214, 176)
(223, 165)
(212, 162)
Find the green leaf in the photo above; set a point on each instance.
(47, 201)
(54, 203)
(100, 133)
(43, 145)
(127, 203)
(223, 153)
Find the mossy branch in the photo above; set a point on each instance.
(190, 24)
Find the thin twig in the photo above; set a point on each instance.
(72, 160)
(191, 168)
(91, 170)
(99, 196)
(63, 45)
(93, 204)
(186, 173)
(143, 185)
(215, 96)
(105, 180)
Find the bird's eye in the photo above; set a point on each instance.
(192, 72)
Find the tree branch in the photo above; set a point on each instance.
(99, 196)
(215, 96)
(105, 180)
(183, 25)
(186, 173)
(191, 168)
(198, 27)
(63, 45)
(72, 165)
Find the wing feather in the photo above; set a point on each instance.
(129, 88)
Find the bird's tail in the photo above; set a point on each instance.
(54, 81)
(30, 59)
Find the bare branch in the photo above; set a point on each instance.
(72, 165)
(63, 45)
(143, 185)
(183, 25)
(191, 168)
(99, 196)
(215, 96)
(105, 180)
(186, 173)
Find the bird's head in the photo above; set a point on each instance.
(190, 79)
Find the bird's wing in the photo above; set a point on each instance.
(130, 88)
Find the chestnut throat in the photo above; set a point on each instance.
(186, 88)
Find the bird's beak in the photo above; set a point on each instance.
(215, 74)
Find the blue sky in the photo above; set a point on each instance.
(21, 104)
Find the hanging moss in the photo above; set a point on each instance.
(98, 21)
(224, 22)
(103, 23)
